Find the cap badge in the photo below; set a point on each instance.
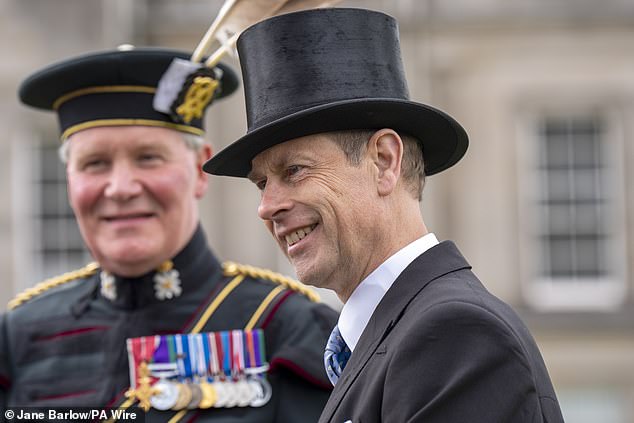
(195, 98)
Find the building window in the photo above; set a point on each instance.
(574, 230)
(57, 244)
(575, 207)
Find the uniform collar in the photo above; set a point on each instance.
(190, 269)
(358, 309)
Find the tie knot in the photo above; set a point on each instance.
(336, 355)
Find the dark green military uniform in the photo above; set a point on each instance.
(66, 347)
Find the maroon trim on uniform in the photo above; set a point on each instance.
(193, 417)
(71, 332)
(5, 382)
(276, 307)
(67, 395)
(295, 368)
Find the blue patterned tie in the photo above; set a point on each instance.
(336, 355)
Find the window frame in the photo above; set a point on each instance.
(571, 294)
(29, 218)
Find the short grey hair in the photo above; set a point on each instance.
(194, 142)
(354, 143)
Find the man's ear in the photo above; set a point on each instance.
(386, 151)
(205, 153)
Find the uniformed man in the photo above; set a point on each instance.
(156, 322)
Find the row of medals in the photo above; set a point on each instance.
(252, 391)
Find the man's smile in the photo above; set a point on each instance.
(299, 234)
(127, 217)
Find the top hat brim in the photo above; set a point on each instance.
(443, 140)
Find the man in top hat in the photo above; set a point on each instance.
(340, 156)
(157, 322)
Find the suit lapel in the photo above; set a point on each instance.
(437, 261)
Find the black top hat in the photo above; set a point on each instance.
(111, 88)
(326, 70)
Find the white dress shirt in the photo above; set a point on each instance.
(357, 311)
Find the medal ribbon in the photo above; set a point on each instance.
(171, 347)
(131, 346)
(140, 350)
(188, 359)
(201, 362)
(227, 356)
(250, 348)
(192, 354)
(238, 353)
(260, 356)
(222, 355)
(161, 355)
(206, 352)
(215, 363)
(180, 355)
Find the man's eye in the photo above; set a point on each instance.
(148, 157)
(95, 164)
(261, 184)
(292, 170)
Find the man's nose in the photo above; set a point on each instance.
(123, 182)
(274, 201)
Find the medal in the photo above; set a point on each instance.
(241, 387)
(209, 395)
(164, 368)
(183, 363)
(184, 396)
(197, 362)
(215, 345)
(260, 388)
(261, 391)
(197, 396)
(166, 397)
(214, 369)
(140, 352)
(222, 394)
(229, 367)
(244, 393)
(231, 396)
(167, 394)
(144, 390)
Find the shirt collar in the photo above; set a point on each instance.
(357, 311)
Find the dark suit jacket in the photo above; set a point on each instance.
(440, 348)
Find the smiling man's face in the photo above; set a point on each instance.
(320, 209)
(134, 191)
